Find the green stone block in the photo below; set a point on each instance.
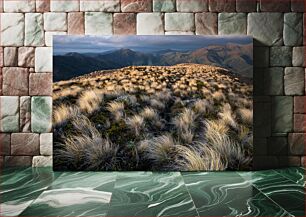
(41, 114)
(282, 109)
(164, 5)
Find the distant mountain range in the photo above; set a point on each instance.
(235, 57)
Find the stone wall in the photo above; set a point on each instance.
(27, 27)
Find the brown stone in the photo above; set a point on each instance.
(1, 56)
(299, 124)
(42, 5)
(17, 161)
(136, 5)
(25, 144)
(10, 56)
(222, 6)
(76, 23)
(299, 104)
(40, 84)
(206, 23)
(297, 5)
(246, 5)
(1, 81)
(124, 24)
(273, 6)
(26, 56)
(303, 161)
(296, 143)
(5, 143)
(289, 161)
(15, 81)
(25, 114)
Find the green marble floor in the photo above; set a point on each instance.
(42, 192)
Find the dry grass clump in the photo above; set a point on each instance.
(116, 109)
(136, 123)
(149, 114)
(90, 100)
(246, 115)
(185, 124)
(62, 113)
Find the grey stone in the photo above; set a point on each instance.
(232, 23)
(261, 57)
(191, 5)
(179, 22)
(297, 5)
(34, 29)
(298, 56)
(274, 81)
(163, 5)
(41, 114)
(266, 28)
(206, 23)
(282, 117)
(9, 115)
(246, 5)
(294, 81)
(272, 6)
(296, 143)
(42, 161)
(293, 29)
(46, 143)
(280, 56)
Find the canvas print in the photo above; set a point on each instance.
(153, 103)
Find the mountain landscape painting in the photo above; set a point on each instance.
(152, 103)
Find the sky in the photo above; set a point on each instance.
(97, 44)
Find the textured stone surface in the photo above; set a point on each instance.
(43, 59)
(100, 5)
(299, 104)
(232, 23)
(25, 114)
(42, 161)
(55, 21)
(222, 6)
(280, 56)
(191, 5)
(25, 144)
(12, 28)
(18, 161)
(1, 56)
(278, 146)
(65, 6)
(42, 5)
(156, 26)
(178, 33)
(40, 84)
(179, 22)
(206, 23)
(34, 30)
(293, 29)
(1, 81)
(289, 161)
(15, 81)
(46, 143)
(274, 81)
(124, 24)
(5, 144)
(246, 5)
(136, 5)
(261, 57)
(294, 81)
(272, 6)
(299, 123)
(98, 23)
(9, 114)
(41, 114)
(163, 5)
(76, 23)
(282, 108)
(19, 6)
(296, 143)
(26, 57)
(10, 56)
(297, 5)
(298, 56)
(266, 28)
(49, 37)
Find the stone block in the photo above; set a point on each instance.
(222, 5)
(64, 6)
(98, 23)
(15, 81)
(278, 146)
(296, 143)
(299, 104)
(179, 22)
(163, 5)
(262, 120)
(179, 33)
(55, 21)
(272, 6)
(156, 26)
(246, 5)
(280, 56)
(294, 81)
(297, 5)
(25, 144)
(261, 57)
(299, 123)
(26, 57)
(49, 37)
(43, 59)
(136, 5)
(232, 24)
(9, 114)
(298, 56)
(266, 28)
(206, 23)
(42, 161)
(19, 6)
(289, 161)
(191, 5)
(40, 84)
(34, 30)
(46, 144)
(17, 161)
(274, 81)
(5, 144)
(260, 146)
(124, 24)
(10, 56)
(293, 29)
(1, 56)
(42, 5)
(282, 117)
(41, 114)
(76, 23)
(100, 5)
(12, 29)
(25, 114)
